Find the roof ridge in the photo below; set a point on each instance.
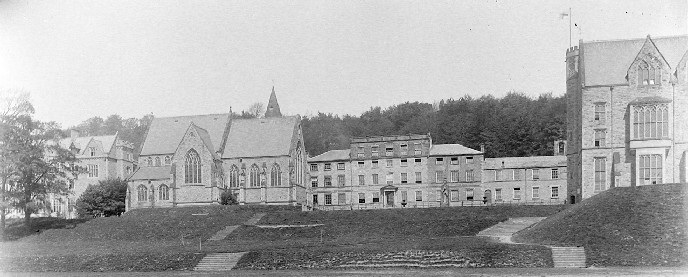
(632, 39)
(181, 116)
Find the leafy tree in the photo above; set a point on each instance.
(228, 198)
(34, 163)
(103, 199)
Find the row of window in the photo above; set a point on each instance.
(163, 193)
(158, 161)
(254, 176)
(454, 160)
(515, 174)
(390, 163)
(649, 170)
(389, 150)
(389, 179)
(649, 122)
(454, 196)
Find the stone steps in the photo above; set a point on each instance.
(254, 219)
(568, 256)
(219, 261)
(222, 234)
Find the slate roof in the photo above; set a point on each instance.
(81, 142)
(332, 155)
(165, 133)
(451, 149)
(152, 173)
(264, 137)
(650, 100)
(607, 62)
(525, 162)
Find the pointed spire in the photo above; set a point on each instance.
(273, 109)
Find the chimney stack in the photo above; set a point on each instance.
(74, 133)
(482, 148)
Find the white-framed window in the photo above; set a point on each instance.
(341, 180)
(376, 197)
(649, 75)
(168, 160)
(375, 151)
(600, 138)
(328, 199)
(439, 176)
(417, 161)
(142, 193)
(536, 174)
(498, 194)
(57, 205)
(404, 162)
(328, 181)
(275, 176)
(555, 173)
(469, 194)
(341, 166)
(376, 179)
(390, 178)
(361, 152)
(328, 167)
(92, 151)
(254, 176)
(93, 171)
(192, 167)
(361, 164)
(517, 193)
(454, 195)
(417, 149)
(469, 160)
(650, 121)
(404, 149)
(314, 167)
(404, 196)
(419, 195)
(536, 193)
(361, 198)
(469, 175)
(454, 160)
(439, 161)
(454, 176)
(390, 163)
(404, 178)
(375, 164)
(419, 178)
(600, 113)
(650, 169)
(314, 181)
(361, 180)
(389, 150)
(555, 192)
(163, 192)
(600, 173)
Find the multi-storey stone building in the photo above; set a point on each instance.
(192, 160)
(410, 171)
(102, 157)
(627, 114)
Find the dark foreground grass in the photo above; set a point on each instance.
(151, 239)
(642, 226)
(16, 229)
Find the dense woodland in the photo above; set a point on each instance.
(515, 125)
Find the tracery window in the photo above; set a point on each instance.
(157, 161)
(275, 176)
(650, 122)
(192, 168)
(648, 75)
(168, 161)
(254, 176)
(234, 177)
(142, 193)
(163, 192)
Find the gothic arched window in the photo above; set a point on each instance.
(163, 192)
(150, 161)
(168, 160)
(275, 176)
(299, 165)
(254, 176)
(234, 177)
(648, 74)
(157, 161)
(142, 193)
(192, 168)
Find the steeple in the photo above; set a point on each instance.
(273, 109)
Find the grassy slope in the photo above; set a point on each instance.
(150, 239)
(622, 226)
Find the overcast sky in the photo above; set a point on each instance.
(80, 59)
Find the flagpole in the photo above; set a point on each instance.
(570, 37)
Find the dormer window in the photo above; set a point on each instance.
(92, 151)
(648, 75)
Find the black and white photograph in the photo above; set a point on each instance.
(343, 138)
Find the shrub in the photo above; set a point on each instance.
(228, 198)
(103, 199)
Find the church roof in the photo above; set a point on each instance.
(525, 162)
(273, 109)
(260, 137)
(165, 133)
(82, 142)
(606, 62)
(451, 149)
(332, 155)
(152, 173)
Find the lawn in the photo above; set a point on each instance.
(151, 239)
(622, 226)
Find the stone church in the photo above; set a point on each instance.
(627, 114)
(192, 160)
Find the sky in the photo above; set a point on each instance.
(79, 59)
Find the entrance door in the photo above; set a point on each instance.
(390, 198)
(488, 197)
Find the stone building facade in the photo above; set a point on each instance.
(192, 160)
(627, 114)
(411, 171)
